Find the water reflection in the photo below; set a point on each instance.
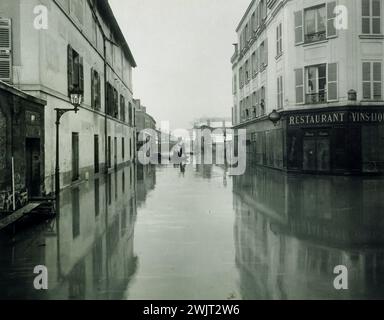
(292, 230)
(88, 249)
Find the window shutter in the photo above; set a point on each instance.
(5, 50)
(281, 92)
(377, 80)
(299, 29)
(366, 13)
(332, 82)
(266, 51)
(331, 16)
(70, 69)
(93, 100)
(277, 41)
(376, 16)
(299, 82)
(98, 90)
(366, 80)
(81, 74)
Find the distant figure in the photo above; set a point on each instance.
(181, 147)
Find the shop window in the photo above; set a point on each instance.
(373, 148)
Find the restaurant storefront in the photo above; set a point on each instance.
(340, 141)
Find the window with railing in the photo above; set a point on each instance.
(315, 20)
(316, 84)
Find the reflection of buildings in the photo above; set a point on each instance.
(88, 249)
(290, 57)
(291, 231)
(146, 182)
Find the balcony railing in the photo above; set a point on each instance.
(315, 37)
(319, 97)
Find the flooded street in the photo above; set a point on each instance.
(159, 232)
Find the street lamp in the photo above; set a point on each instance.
(76, 98)
(274, 117)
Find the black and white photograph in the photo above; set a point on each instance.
(189, 151)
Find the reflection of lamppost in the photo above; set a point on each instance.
(274, 117)
(76, 96)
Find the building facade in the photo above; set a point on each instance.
(81, 46)
(21, 145)
(144, 121)
(318, 63)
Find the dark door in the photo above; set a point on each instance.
(309, 154)
(109, 153)
(96, 156)
(115, 152)
(75, 156)
(316, 152)
(33, 163)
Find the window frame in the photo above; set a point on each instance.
(322, 34)
(317, 78)
(371, 18)
(372, 80)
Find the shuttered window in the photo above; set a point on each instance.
(299, 28)
(371, 16)
(263, 103)
(75, 71)
(130, 119)
(246, 71)
(279, 40)
(280, 95)
(372, 81)
(95, 89)
(332, 82)
(115, 104)
(299, 83)
(122, 108)
(5, 50)
(254, 64)
(331, 16)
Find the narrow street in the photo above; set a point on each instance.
(160, 233)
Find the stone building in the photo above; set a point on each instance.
(21, 138)
(144, 121)
(320, 65)
(80, 46)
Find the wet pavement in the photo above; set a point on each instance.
(159, 232)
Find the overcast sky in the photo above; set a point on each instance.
(183, 50)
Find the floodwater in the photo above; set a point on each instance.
(163, 232)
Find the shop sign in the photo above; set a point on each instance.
(336, 117)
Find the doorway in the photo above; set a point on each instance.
(115, 152)
(75, 156)
(316, 151)
(96, 155)
(33, 165)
